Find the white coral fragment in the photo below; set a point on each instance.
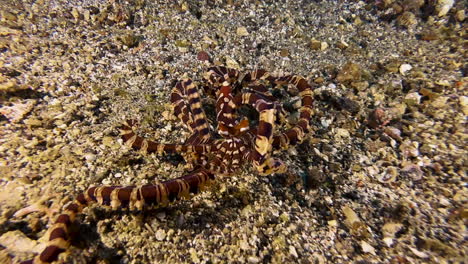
(443, 7)
(16, 112)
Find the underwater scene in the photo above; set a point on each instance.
(224, 131)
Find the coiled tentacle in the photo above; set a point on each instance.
(225, 155)
(188, 108)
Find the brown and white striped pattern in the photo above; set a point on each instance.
(59, 235)
(255, 88)
(188, 108)
(238, 144)
(116, 197)
(223, 79)
(255, 93)
(263, 141)
(296, 134)
(131, 139)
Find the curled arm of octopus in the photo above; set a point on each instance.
(237, 145)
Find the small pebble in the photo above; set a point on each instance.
(90, 157)
(367, 248)
(404, 68)
(284, 53)
(377, 118)
(160, 234)
(412, 99)
(444, 6)
(315, 44)
(203, 56)
(460, 15)
(242, 31)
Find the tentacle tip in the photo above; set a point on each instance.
(126, 127)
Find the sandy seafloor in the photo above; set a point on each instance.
(382, 179)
